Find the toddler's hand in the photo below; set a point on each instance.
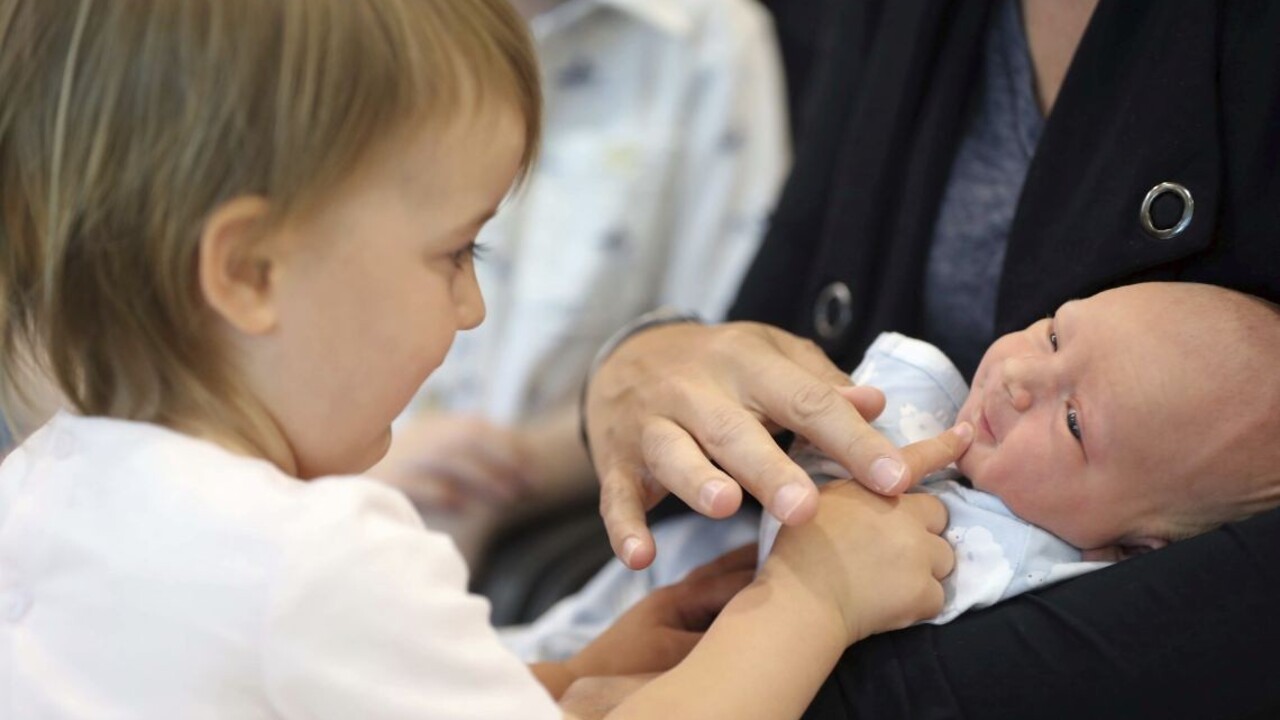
(872, 562)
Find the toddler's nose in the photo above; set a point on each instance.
(469, 303)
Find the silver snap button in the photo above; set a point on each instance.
(833, 310)
(1188, 208)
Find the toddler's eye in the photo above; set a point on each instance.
(1053, 339)
(1073, 422)
(472, 251)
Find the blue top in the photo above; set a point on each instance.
(1002, 127)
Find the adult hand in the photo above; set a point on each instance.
(444, 461)
(691, 409)
(873, 562)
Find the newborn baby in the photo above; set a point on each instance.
(1140, 416)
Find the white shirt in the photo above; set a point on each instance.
(664, 149)
(146, 574)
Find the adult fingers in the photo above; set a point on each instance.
(679, 464)
(622, 508)
(927, 456)
(814, 409)
(869, 457)
(739, 443)
(867, 400)
(807, 355)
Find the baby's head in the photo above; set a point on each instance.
(252, 220)
(1139, 416)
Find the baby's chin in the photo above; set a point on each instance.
(969, 464)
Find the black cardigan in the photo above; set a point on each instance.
(1160, 90)
(1186, 91)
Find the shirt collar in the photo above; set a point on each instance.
(670, 16)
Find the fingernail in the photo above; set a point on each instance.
(886, 473)
(964, 431)
(629, 548)
(786, 500)
(709, 492)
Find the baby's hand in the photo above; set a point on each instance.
(873, 562)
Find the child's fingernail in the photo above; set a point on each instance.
(964, 431)
(709, 492)
(786, 500)
(886, 473)
(629, 548)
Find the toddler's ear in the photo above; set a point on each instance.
(236, 270)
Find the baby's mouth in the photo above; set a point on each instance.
(983, 426)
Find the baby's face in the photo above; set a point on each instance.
(1089, 423)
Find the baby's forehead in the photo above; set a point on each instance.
(1193, 364)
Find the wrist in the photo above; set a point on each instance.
(653, 319)
(813, 600)
(556, 677)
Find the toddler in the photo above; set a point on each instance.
(238, 235)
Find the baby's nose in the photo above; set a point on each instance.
(1023, 380)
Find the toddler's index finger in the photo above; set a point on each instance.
(930, 455)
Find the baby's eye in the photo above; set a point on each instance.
(1073, 422)
(1053, 336)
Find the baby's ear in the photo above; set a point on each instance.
(236, 265)
(1124, 551)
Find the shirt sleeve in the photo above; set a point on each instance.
(370, 618)
(1155, 636)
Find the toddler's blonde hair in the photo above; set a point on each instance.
(124, 123)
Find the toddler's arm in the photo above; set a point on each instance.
(776, 641)
(660, 630)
